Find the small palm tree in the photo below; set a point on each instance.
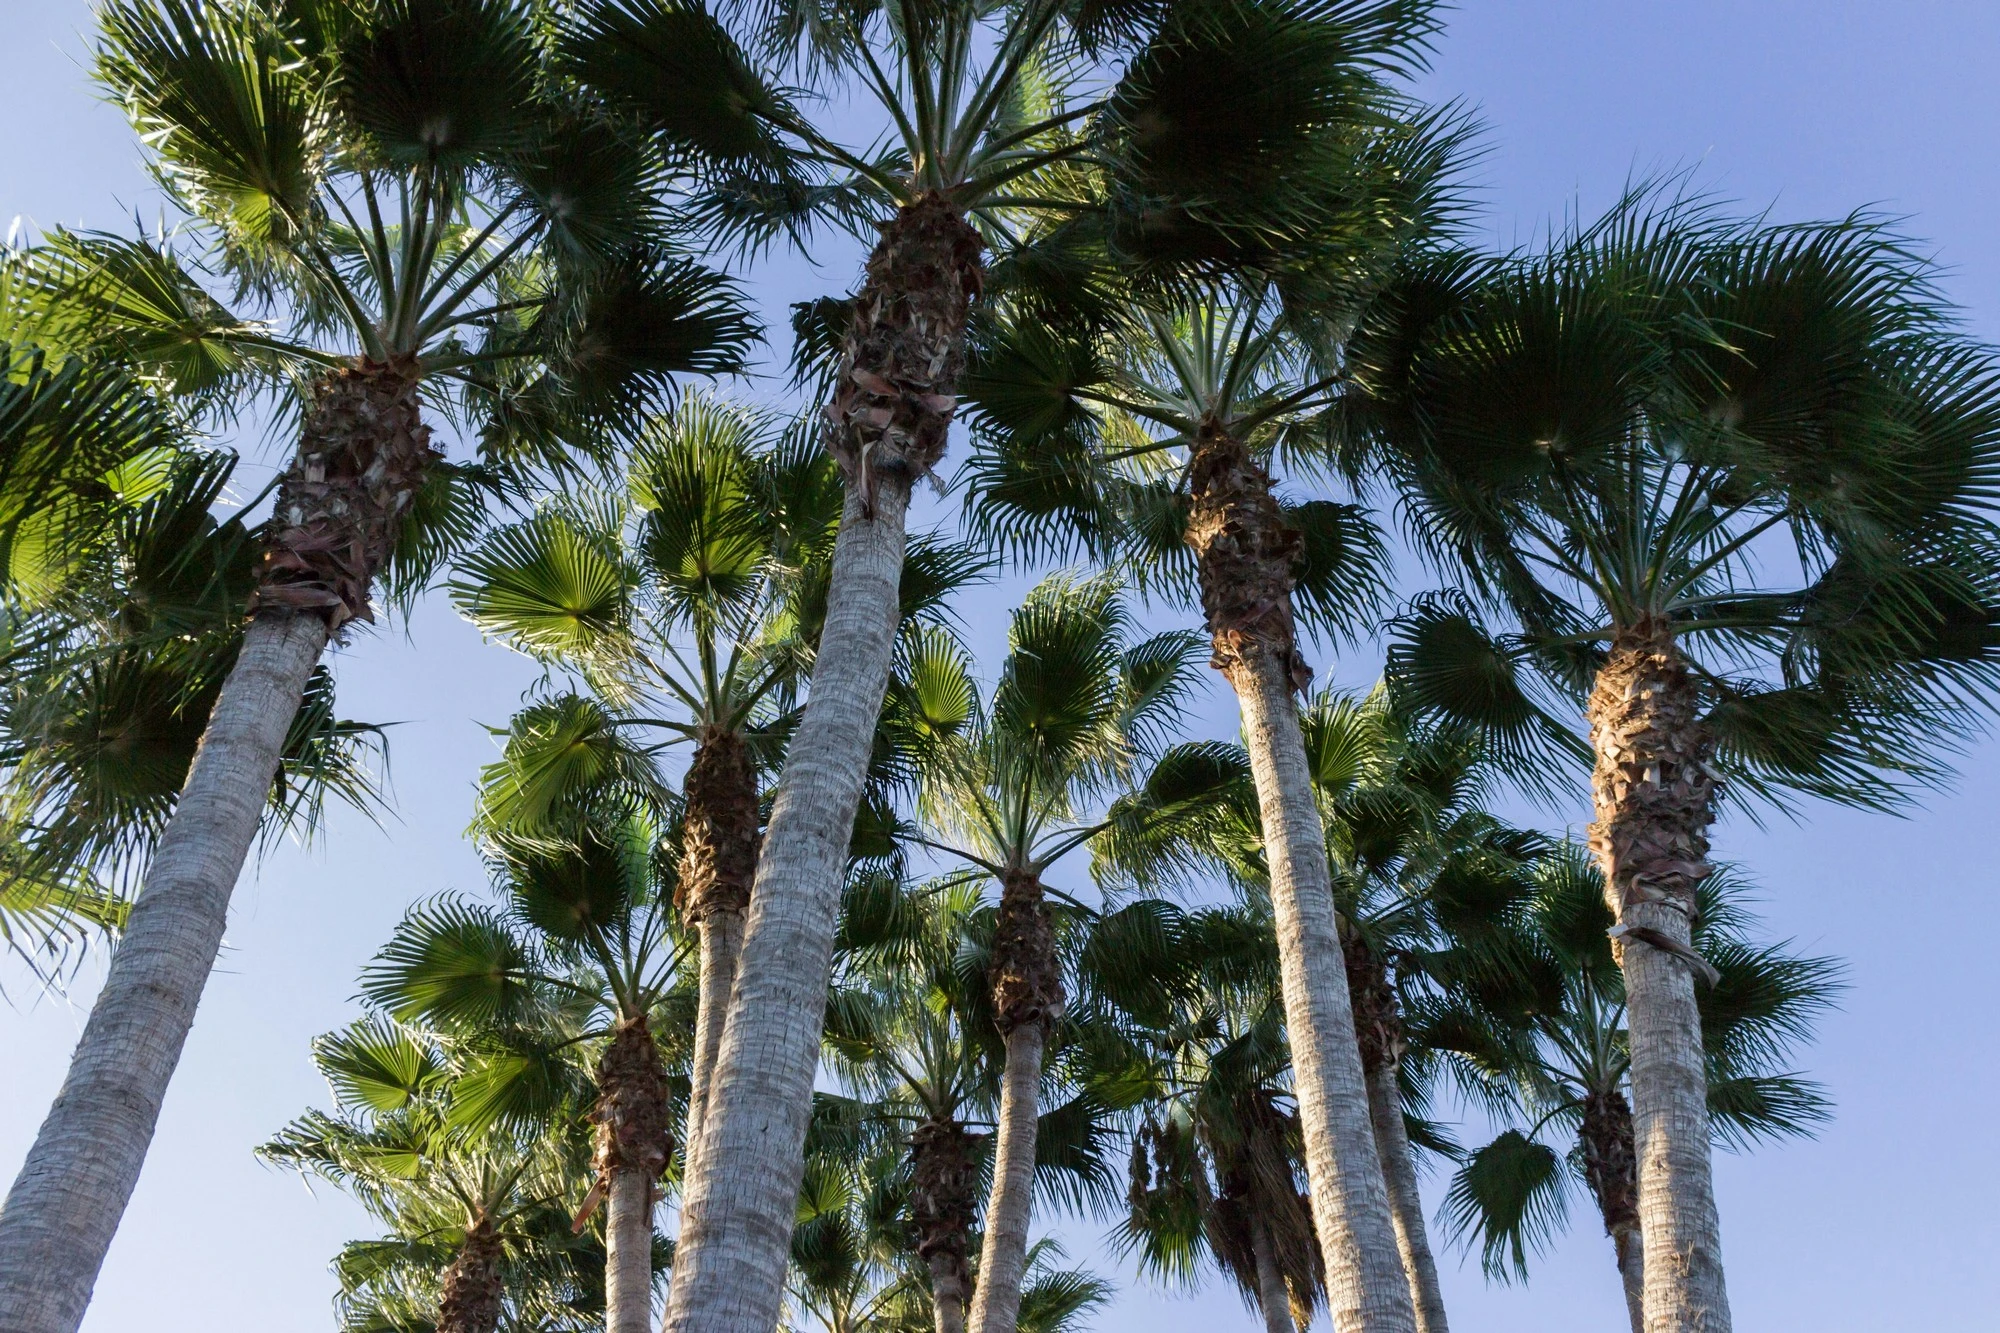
(423, 210)
(1075, 140)
(1728, 483)
(681, 607)
(1218, 1155)
(582, 952)
(470, 1248)
(1424, 881)
(1563, 1058)
(1079, 709)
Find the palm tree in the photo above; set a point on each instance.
(1155, 446)
(1567, 1064)
(907, 1043)
(469, 1249)
(1182, 139)
(688, 599)
(422, 210)
(912, 1039)
(1219, 1152)
(583, 951)
(1078, 707)
(1729, 483)
(1424, 881)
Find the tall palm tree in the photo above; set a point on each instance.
(1730, 485)
(422, 210)
(583, 950)
(1080, 709)
(1178, 139)
(469, 1249)
(1563, 1058)
(1155, 446)
(686, 598)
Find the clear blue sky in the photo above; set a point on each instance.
(1810, 107)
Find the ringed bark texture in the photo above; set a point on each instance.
(634, 1141)
(1378, 1025)
(1611, 1168)
(718, 865)
(1654, 793)
(1026, 977)
(1244, 555)
(896, 391)
(943, 1198)
(469, 1298)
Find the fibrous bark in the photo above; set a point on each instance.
(634, 1141)
(1243, 557)
(896, 390)
(1611, 1167)
(1654, 791)
(1378, 1026)
(363, 456)
(470, 1296)
(1247, 552)
(718, 865)
(1026, 977)
(943, 1200)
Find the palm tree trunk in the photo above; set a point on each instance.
(1610, 1166)
(1654, 801)
(891, 411)
(718, 866)
(471, 1295)
(1026, 976)
(1406, 1204)
(66, 1203)
(1244, 557)
(633, 1146)
(628, 1262)
(1003, 1256)
(942, 1181)
(1378, 1027)
(363, 452)
(721, 948)
(1274, 1301)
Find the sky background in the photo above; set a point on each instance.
(1810, 108)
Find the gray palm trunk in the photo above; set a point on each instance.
(66, 1203)
(1678, 1223)
(1654, 791)
(1406, 1204)
(1003, 1254)
(1367, 1291)
(1274, 1301)
(1632, 1274)
(628, 1261)
(721, 947)
(947, 1295)
(739, 1204)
